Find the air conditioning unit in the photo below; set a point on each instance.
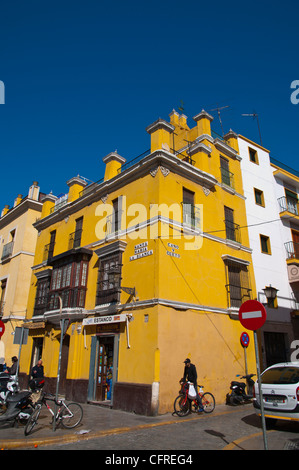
(293, 272)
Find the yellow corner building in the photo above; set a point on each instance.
(137, 271)
(17, 249)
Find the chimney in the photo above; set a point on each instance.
(34, 191)
(113, 163)
(231, 138)
(76, 185)
(183, 121)
(5, 210)
(174, 117)
(203, 120)
(48, 203)
(18, 200)
(160, 132)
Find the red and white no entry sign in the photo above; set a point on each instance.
(252, 315)
(2, 328)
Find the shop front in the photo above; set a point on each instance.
(104, 352)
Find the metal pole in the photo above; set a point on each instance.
(246, 367)
(59, 362)
(260, 391)
(18, 364)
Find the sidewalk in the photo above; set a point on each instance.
(100, 421)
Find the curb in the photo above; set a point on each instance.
(67, 439)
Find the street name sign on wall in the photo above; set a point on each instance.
(21, 335)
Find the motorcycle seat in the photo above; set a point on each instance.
(239, 384)
(18, 396)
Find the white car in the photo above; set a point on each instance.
(280, 389)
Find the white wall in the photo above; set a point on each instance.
(269, 269)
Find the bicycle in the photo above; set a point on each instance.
(183, 405)
(69, 415)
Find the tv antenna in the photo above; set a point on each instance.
(219, 115)
(255, 115)
(181, 107)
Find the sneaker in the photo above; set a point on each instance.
(200, 410)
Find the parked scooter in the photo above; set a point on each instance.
(20, 405)
(8, 386)
(238, 395)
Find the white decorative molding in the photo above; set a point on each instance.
(165, 172)
(104, 198)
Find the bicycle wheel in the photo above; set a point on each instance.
(208, 402)
(181, 406)
(194, 406)
(32, 420)
(71, 415)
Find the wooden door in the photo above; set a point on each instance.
(275, 347)
(295, 236)
(101, 373)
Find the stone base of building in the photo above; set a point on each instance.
(133, 397)
(74, 390)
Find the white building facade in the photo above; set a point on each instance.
(269, 233)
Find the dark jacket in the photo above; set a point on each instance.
(190, 374)
(37, 372)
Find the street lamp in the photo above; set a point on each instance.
(270, 292)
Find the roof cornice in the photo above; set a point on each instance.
(136, 171)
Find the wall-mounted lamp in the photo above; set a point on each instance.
(271, 294)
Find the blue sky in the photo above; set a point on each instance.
(85, 78)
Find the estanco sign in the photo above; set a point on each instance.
(103, 320)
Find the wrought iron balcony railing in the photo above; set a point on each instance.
(48, 251)
(75, 239)
(191, 215)
(227, 177)
(292, 250)
(233, 231)
(236, 295)
(288, 204)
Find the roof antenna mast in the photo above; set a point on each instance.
(255, 115)
(219, 115)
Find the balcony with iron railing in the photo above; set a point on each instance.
(191, 215)
(113, 223)
(227, 177)
(75, 239)
(236, 295)
(48, 251)
(288, 204)
(233, 231)
(59, 203)
(7, 251)
(292, 250)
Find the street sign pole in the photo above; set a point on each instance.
(245, 342)
(62, 320)
(252, 315)
(246, 367)
(260, 390)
